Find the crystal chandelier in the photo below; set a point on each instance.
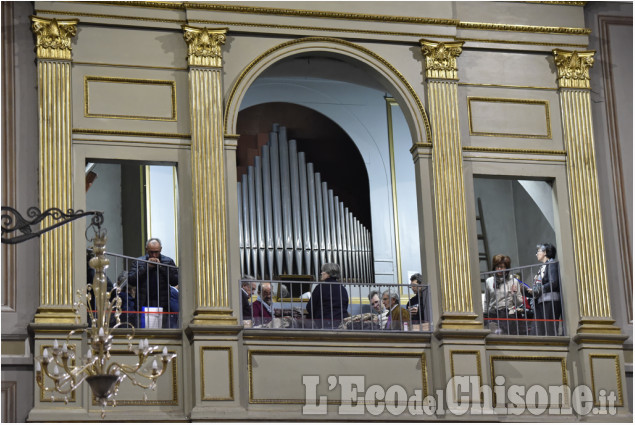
(61, 369)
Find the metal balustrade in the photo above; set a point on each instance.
(517, 302)
(335, 306)
(145, 287)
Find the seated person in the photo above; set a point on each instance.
(418, 306)
(329, 300)
(378, 308)
(262, 308)
(503, 298)
(399, 317)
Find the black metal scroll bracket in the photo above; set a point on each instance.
(12, 221)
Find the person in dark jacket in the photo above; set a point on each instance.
(418, 305)
(329, 300)
(152, 275)
(247, 289)
(546, 291)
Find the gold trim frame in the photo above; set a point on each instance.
(618, 376)
(131, 133)
(175, 392)
(478, 365)
(251, 353)
(52, 399)
(390, 103)
(514, 151)
(169, 83)
(562, 360)
(231, 374)
(470, 99)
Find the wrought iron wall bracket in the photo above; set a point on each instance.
(13, 221)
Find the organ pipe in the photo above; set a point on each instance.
(291, 222)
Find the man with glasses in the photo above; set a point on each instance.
(152, 275)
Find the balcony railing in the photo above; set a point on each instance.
(335, 306)
(149, 292)
(524, 300)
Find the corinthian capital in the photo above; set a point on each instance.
(53, 37)
(204, 46)
(573, 68)
(441, 58)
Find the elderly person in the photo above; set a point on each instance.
(503, 296)
(398, 317)
(546, 291)
(262, 308)
(329, 300)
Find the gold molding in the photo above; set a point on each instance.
(123, 65)
(523, 28)
(53, 37)
(516, 151)
(440, 58)
(323, 14)
(52, 399)
(562, 360)
(231, 373)
(172, 402)
(132, 133)
(251, 353)
(204, 46)
(325, 29)
(478, 366)
(573, 68)
(507, 86)
(477, 157)
(320, 14)
(118, 17)
(374, 55)
(618, 377)
(521, 42)
(508, 100)
(390, 102)
(140, 81)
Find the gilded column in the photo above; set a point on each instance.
(53, 49)
(208, 175)
(588, 241)
(449, 193)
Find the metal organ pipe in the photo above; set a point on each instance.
(290, 222)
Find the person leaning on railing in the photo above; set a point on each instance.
(418, 304)
(329, 300)
(503, 297)
(152, 279)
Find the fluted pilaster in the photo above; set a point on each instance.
(588, 239)
(449, 192)
(208, 175)
(53, 46)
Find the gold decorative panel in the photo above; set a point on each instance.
(217, 371)
(500, 117)
(466, 363)
(166, 393)
(129, 98)
(606, 375)
(528, 371)
(267, 367)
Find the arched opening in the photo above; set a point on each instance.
(348, 107)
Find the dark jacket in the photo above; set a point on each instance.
(550, 288)
(244, 300)
(328, 301)
(422, 299)
(153, 283)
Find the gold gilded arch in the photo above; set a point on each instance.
(405, 95)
